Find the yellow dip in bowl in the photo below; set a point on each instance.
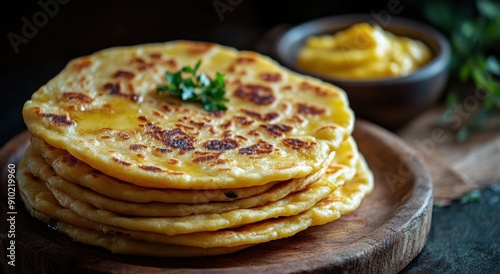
(362, 52)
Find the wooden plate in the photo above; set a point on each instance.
(387, 231)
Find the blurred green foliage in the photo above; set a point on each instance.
(473, 29)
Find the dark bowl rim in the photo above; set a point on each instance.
(439, 63)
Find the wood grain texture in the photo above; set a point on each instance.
(456, 168)
(388, 230)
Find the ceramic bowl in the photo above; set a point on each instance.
(389, 102)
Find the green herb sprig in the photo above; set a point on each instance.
(473, 30)
(193, 86)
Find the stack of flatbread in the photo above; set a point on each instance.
(115, 164)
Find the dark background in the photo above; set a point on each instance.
(83, 27)
(464, 237)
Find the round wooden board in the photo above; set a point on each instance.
(386, 232)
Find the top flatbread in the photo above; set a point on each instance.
(105, 111)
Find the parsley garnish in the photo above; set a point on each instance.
(193, 86)
(472, 196)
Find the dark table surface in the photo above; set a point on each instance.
(464, 238)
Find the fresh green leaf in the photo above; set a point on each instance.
(439, 13)
(197, 66)
(472, 196)
(439, 205)
(451, 99)
(467, 29)
(204, 80)
(493, 65)
(192, 87)
(462, 134)
(190, 70)
(479, 79)
(465, 71)
(486, 8)
(488, 103)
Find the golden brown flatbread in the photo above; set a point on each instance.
(343, 166)
(42, 205)
(104, 110)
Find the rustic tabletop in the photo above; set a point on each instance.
(464, 235)
(463, 238)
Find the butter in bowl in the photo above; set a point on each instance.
(391, 72)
